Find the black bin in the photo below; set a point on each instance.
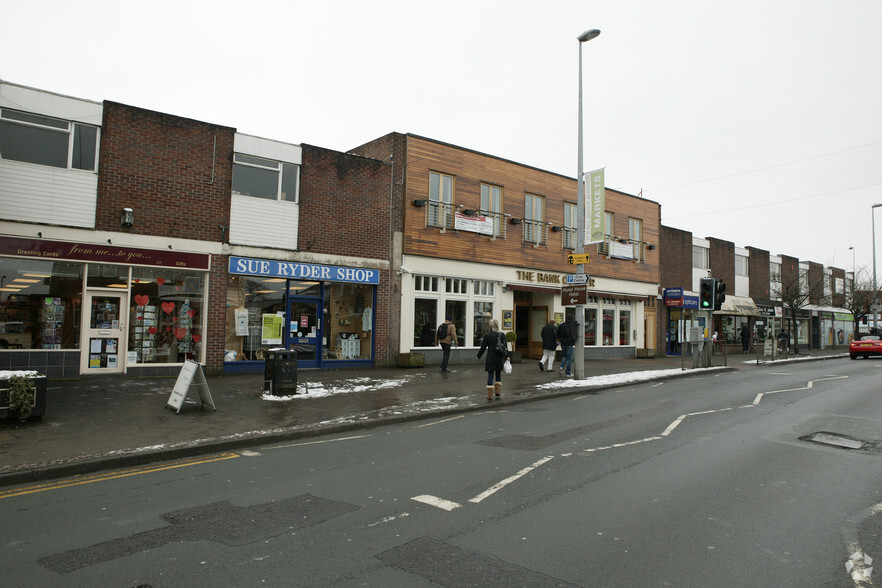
(280, 372)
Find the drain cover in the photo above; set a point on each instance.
(837, 440)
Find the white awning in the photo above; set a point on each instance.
(739, 305)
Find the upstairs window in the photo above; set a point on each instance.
(491, 205)
(43, 140)
(570, 225)
(700, 257)
(265, 178)
(534, 219)
(742, 265)
(440, 200)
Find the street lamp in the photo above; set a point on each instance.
(579, 352)
(875, 291)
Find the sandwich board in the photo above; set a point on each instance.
(191, 376)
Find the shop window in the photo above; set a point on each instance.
(165, 325)
(481, 321)
(590, 326)
(349, 321)
(265, 178)
(608, 319)
(457, 310)
(624, 327)
(425, 322)
(40, 304)
(248, 300)
(107, 276)
(47, 141)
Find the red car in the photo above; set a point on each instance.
(867, 345)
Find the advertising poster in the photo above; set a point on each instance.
(271, 331)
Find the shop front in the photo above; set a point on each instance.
(325, 314)
(683, 316)
(69, 309)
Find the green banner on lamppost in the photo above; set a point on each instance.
(595, 198)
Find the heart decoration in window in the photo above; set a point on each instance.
(191, 312)
(168, 307)
(151, 330)
(141, 299)
(180, 332)
(197, 338)
(160, 281)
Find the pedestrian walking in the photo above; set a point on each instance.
(495, 345)
(745, 339)
(549, 345)
(446, 338)
(566, 333)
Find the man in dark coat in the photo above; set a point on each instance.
(567, 333)
(495, 361)
(549, 345)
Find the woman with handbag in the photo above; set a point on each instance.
(495, 345)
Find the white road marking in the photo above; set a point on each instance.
(497, 487)
(319, 442)
(249, 453)
(439, 422)
(617, 445)
(389, 519)
(436, 502)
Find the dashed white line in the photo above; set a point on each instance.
(439, 422)
(318, 442)
(389, 519)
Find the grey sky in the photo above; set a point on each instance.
(757, 122)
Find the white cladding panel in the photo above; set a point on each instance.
(263, 223)
(43, 194)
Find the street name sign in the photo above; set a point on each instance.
(577, 258)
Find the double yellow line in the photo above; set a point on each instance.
(92, 479)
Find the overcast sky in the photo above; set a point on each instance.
(758, 122)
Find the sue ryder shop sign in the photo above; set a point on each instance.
(246, 266)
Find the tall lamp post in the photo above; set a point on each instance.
(579, 352)
(875, 291)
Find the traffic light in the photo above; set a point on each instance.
(719, 294)
(707, 294)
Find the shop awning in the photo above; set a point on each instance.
(524, 288)
(739, 305)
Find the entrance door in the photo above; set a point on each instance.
(304, 331)
(105, 333)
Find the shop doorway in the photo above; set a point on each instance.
(304, 331)
(105, 334)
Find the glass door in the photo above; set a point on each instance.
(304, 331)
(105, 333)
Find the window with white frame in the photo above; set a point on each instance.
(699, 257)
(534, 218)
(440, 200)
(265, 178)
(484, 288)
(610, 220)
(491, 205)
(741, 265)
(570, 225)
(456, 286)
(774, 272)
(635, 235)
(425, 283)
(44, 140)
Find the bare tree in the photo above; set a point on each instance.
(795, 295)
(859, 300)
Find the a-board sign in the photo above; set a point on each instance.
(574, 295)
(191, 375)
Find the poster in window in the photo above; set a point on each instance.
(271, 333)
(507, 320)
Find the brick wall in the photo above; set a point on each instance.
(166, 168)
(758, 268)
(722, 262)
(346, 209)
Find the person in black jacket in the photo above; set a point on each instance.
(567, 332)
(549, 345)
(495, 358)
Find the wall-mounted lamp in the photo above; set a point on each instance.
(515, 221)
(419, 203)
(469, 212)
(651, 247)
(40, 234)
(556, 229)
(128, 217)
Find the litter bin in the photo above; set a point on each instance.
(280, 372)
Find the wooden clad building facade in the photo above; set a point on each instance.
(479, 237)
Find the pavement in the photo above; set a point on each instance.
(101, 423)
